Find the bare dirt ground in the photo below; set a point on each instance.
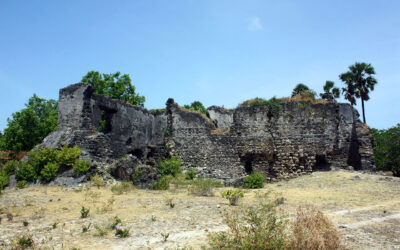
(364, 207)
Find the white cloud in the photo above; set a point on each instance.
(254, 24)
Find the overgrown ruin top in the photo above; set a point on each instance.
(229, 144)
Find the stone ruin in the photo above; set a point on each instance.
(228, 145)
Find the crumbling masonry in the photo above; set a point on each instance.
(229, 144)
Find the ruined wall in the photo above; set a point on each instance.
(127, 129)
(229, 144)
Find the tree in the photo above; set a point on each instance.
(31, 125)
(387, 149)
(328, 95)
(300, 88)
(115, 85)
(359, 81)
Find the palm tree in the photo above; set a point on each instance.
(328, 95)
(299, 89)
(359, 81)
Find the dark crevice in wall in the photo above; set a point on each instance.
(137, 152)
(105, 123)
(354, 159)
(321, 164)
(247, 160)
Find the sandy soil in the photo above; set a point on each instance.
(364, 207)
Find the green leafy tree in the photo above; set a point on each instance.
(387, 149)
(31, 125)
(330, 92)
(359, 81)
(115, 85)
(197, 106)
(300, 88)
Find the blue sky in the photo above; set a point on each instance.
(217, 52)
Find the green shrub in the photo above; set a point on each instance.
(84, 212)
(22, 184)
(252, 228)
(81, 167)
(10, 167)
(190, 174)
(171, 166)
(255, 180)
(66, 157)
(232, 195)
(114, 223)
(122, 233)
(122, 187)
(197, 106)
(161, 184)
(273, 104)
(204, 186)
(49, 172)
(4, 179)
(26, 172)
(25, 241)
(38, 159)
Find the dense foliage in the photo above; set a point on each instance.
(45, 164)
(197, 106)
(273, 104)
(115, 85)
(255, 180)
(171, 166)
(359, 81)
(31, 125)
(387, 149)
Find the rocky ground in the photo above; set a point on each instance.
(364, 207)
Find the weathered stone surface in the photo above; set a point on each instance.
(230, 144)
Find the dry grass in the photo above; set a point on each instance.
(303, 99)
(220, 132)
(311, 229)
(344, 198)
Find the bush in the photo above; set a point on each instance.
(273, 104)
(197, 106)
(39, 159)
(66, 157)
(26, 172)
(311, 229)
(81, 167)
(122, 187)
(255, 180)
(232, 195)
(161, 184)
(204, 186)
(97, 181)
(190, 174)
(122, 233)
(4, 179)
(171, 166)
(252, 228)
(49, 172)
(25, 241)
(22, 184)
(84, 212)
(10, 167)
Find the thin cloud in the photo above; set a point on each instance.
(254, 24)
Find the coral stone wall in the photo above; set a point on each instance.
(229, 144)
